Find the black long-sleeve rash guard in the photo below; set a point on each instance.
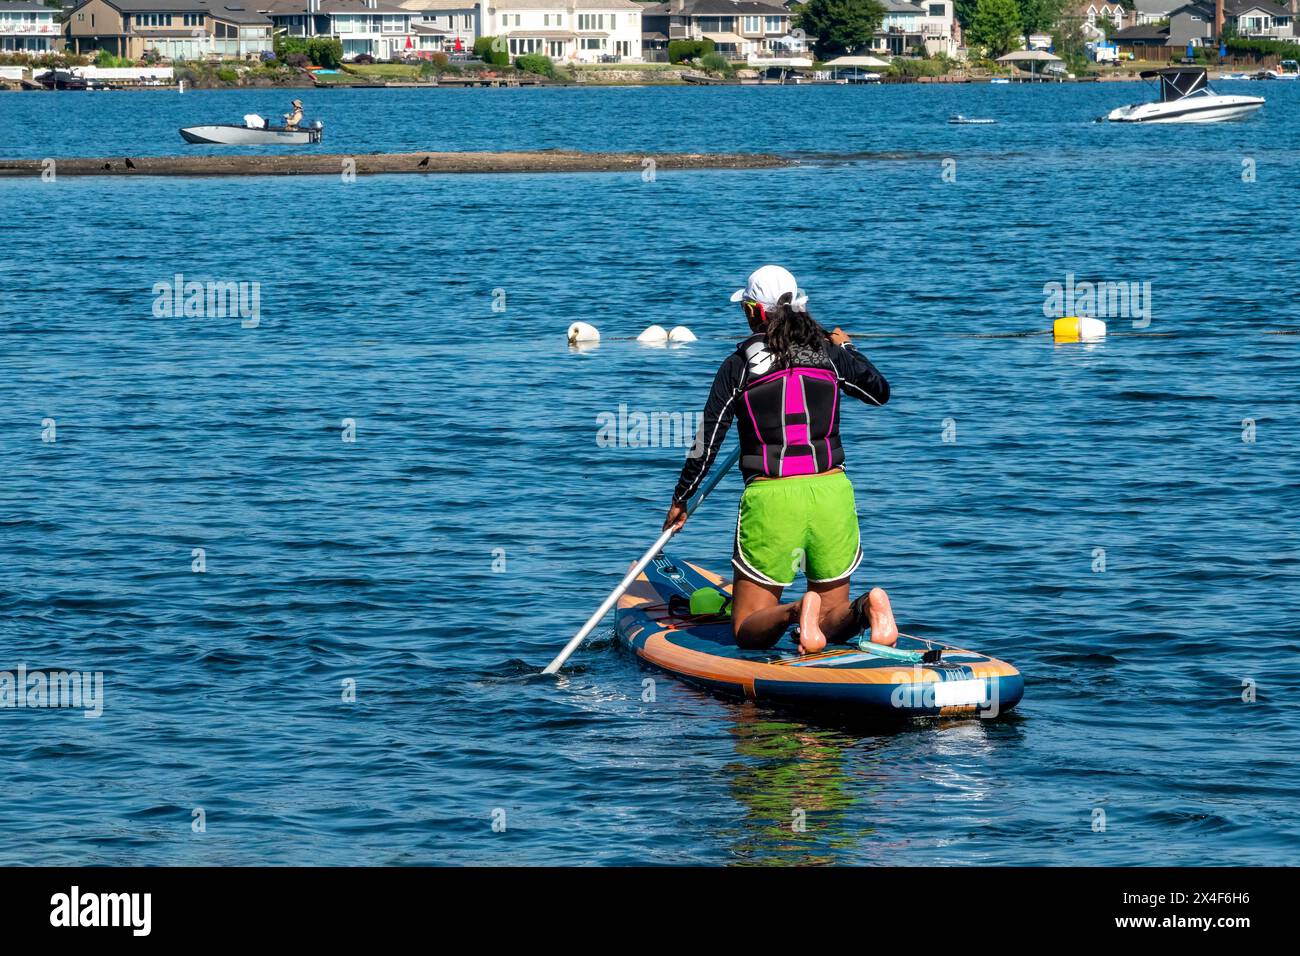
(784, 431)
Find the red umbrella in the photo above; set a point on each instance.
(457, 47)
(408, 43)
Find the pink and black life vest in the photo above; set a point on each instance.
(788, 418)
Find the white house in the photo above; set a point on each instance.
(739, 29)
(926, 24)
(368, 27)
(582, 31)
(443, 25)
(27, 27)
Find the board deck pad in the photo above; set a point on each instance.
(703, 651)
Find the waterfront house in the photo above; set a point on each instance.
(1094, 13)
(443, 25)
(1261, 19)
(1145, 41)
(1252, 19)
(1153, 11)
(174, 29)
(368, 27)
(583, 31)
(739, 29)
(927, 27)
(28, 26)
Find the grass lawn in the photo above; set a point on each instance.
(384, 71)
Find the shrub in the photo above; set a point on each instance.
(679, 50)
(485, 48)
(228, 76)
(537, 63)
(105, 59)
(715, 63)
(363, 58)
(914, 68)
(321, 51)
(297, 60)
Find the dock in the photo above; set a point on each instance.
(332, 164)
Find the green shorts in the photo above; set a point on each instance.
(809, 523)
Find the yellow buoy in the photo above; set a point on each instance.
(1075, 328)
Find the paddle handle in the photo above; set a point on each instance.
(710, 483)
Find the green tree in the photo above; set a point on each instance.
(1039, 16)
(839, 26)
(996, 26)
(964, 11)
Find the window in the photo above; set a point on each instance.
(774, 24)
(750, 24)
(938, 10)
(193, 19)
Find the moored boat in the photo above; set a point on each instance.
(67, 80)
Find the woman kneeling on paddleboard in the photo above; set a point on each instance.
(783, 384)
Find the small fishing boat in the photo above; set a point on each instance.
(960, 120)
(1185, 97)
(919, 677)
(253, 132)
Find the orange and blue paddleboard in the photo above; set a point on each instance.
(949, 682)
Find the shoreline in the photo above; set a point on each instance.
(332, 164)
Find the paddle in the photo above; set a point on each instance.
(719, 469)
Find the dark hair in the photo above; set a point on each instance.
(791, 331)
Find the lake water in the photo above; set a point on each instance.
(378, 561)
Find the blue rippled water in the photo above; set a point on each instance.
(373, 561)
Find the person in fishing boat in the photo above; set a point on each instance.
(294, 117)
(782, 385)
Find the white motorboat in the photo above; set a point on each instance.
(1185, 97)
(254, 132)
(1286, 70)
(960, 120)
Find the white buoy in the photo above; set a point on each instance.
(654, 335)
(583, 332)
(681, 333)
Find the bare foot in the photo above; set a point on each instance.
(811, 638)
(883, 628)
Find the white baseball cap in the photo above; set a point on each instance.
(767, 285)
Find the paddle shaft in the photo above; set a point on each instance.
(710, 483)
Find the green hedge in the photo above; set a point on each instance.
(537, 63)
(484, 50)
(1262, 48)
(679, 50)
(320, 50)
